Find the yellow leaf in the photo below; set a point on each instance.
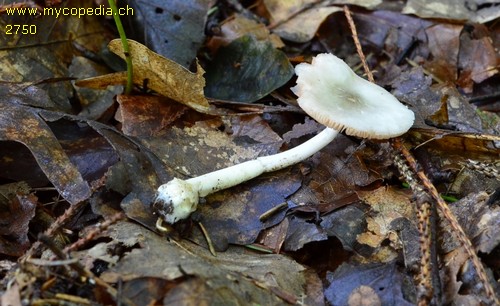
(164, 76)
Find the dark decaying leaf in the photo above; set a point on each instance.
(96, 104)
(479, 220)
(338, 171)
(136, 176)
(17, 208)
(147, 290)
(246, 70)
(390, 285)
(174, 29)
(477, 58)
(301, 232)
(444, 45)
(413, 86)
(23, 124)
(385, 33)
(346, 224)
(232, 216)
(240, 277)
(46, 54)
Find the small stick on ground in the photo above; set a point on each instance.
(94, 232)
(355, 37)
(424, 206)
(68, 215)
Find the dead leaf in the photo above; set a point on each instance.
(387, 205)
(301, 232)
(256, 128)
(337, 171)
(444, 44)
(210, 148)
(262, 279)
(247, 70)
(46, 54)
(232, 216)
(477, 59)
(363, 296)
(274, 236)
(148, 290)
(161, 74)
(17, 208)
(346, 224)
(478, 220)
(302, 129)
(146, 115)
(175, 30)
(390, 285)
(165, 76)
(96, 104)
(297, 28)
(477, 11)
(25, 125)
(239, 26)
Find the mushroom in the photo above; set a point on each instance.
(328, 91)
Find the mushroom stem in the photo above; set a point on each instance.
(178, 198)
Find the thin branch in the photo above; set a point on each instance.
(355, 37)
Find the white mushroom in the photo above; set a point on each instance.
(330, 92)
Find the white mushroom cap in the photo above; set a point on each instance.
(330, 92)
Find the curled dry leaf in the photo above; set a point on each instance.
(164, 76)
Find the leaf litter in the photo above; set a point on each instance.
(348, 198)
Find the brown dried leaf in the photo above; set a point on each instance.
(477, 59)
(387, 205)
(256, 128)
(443, 43)
(339, 170)
(165, 76)
(146, 115)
